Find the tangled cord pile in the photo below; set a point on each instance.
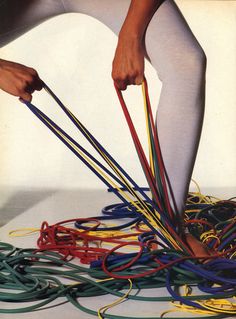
(147, 250)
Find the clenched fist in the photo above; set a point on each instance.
(128, 63)
(19, 80)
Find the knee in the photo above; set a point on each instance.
(195, 62)
(187, 65)
(192, 64)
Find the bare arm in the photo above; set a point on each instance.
(128, 63)
(138, 17)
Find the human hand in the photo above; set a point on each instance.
(19, 80)
(128, 63)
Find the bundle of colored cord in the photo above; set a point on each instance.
(147, 250)
(39, 275)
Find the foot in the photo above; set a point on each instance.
(198, 248)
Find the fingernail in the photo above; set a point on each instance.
(21, 100)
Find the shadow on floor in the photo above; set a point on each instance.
(20, 201)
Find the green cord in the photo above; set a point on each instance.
(38, 277)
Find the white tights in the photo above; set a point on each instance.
(174, 52)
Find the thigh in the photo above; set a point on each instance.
(110, 12)
(17, 17)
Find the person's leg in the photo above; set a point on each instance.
(181, 64)
(110, 12)
(17, 17)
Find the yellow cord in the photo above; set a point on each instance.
(21, 232)
(148, 131)
(113, 304)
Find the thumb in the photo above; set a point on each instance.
(26, 96)
(139, 79)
